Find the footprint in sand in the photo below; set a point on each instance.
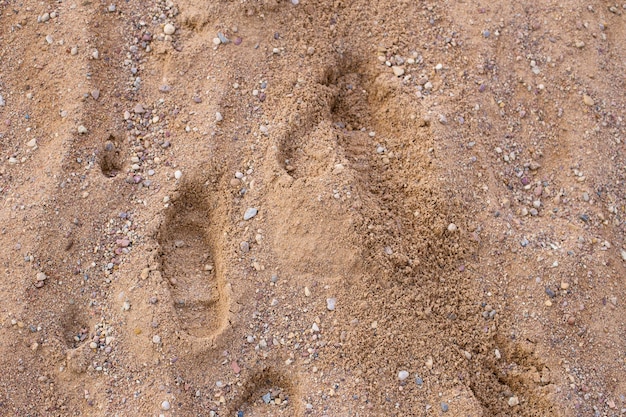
(190, 262)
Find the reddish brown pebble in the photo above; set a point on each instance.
(122, 243)
(571, 320)
(235, 366)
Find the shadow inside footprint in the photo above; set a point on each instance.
(267, 393)
(111, 158)
(74, 327)
(190, 265)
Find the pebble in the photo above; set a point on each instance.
(169, 29)
(49, 39)
(218, 117)
(93, 345)
(267, 398)
(513, 401)
(178, 175)
(444, 407)
(82, 130)
(398, 71)
(452, 227)
(419, 381)
(250, 213)
(623, 253)
(307, 292)
(330, 303)
(74, 50)
(95, 94)
(2, 102)
(244, 246)
(95, 54)
(32, 143)
(402, 375)
(111, 8)
(165, 405)
(156, 339)
(588, 100)
(222, 38)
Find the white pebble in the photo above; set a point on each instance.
(402, 375)
(218, 117)
(452, 227)
(216, 41)
(95, 54)
(398, 71)
(169, 29)
(82, 130)
(330, 303)
(156, 339)
(178, 175)
(165, 405)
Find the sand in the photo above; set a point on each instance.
(329, 208)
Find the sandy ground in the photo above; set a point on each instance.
(330, 208)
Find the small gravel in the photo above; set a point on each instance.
(402, 375)
(331, 303)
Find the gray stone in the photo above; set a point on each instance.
(250, 213)
(330, 303)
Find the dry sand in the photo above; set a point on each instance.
(439, 197)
